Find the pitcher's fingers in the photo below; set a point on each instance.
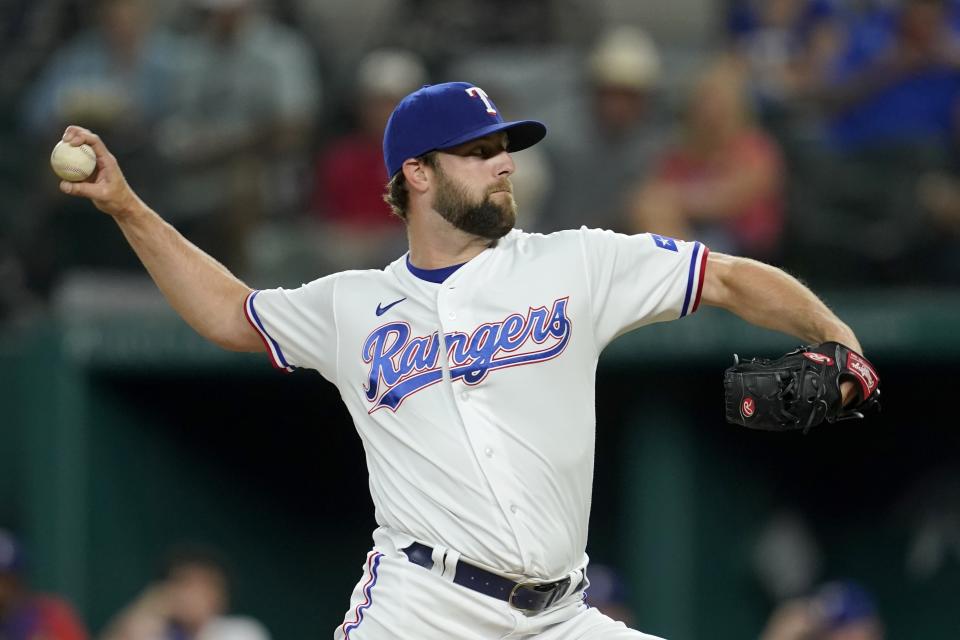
(77, 136)
(70, 132)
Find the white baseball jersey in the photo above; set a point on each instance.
(474, 397)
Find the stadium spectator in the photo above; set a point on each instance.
(786, 46)
(187, 603)
(444, 30)
(29, 32)
(343, 31)
(238, 137)
(722, 181)
(897, 80)
(612, 137)
(349, 177)
(837, 611)
(116, 77)
(890, 103)
(25, 615)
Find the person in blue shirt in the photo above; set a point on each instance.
(898, 80)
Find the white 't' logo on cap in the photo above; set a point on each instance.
(477, 92)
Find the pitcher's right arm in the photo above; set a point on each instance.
(199, 288)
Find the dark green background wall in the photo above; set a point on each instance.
(123, 436)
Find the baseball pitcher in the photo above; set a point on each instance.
(468, 367)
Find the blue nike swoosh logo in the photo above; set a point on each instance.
(382, 310)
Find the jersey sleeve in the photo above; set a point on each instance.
(298, 326)
(640, 279)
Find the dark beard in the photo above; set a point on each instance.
(485, 219)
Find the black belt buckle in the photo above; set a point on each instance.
(550, 593)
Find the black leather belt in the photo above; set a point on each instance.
(525, 596)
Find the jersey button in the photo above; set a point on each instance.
(452, 315)
(488, 452)
(464, 396)
(514, 508)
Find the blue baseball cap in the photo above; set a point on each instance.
(441, 116)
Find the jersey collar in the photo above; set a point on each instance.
(436, 276)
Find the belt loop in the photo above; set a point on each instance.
(438, 555)
(451, 558)
(575, 577)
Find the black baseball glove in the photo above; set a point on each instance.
(800, 389)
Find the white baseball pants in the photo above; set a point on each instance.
(398, 600)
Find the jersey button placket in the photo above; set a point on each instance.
(486, 454)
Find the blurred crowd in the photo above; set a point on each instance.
(821, 135)
(188, 600)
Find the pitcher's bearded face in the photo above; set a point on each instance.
(490, 216)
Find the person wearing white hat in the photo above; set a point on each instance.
(612, 136)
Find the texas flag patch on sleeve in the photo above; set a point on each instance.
(664, 242)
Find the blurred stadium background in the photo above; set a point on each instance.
(819, 135)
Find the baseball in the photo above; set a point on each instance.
(73, 163)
